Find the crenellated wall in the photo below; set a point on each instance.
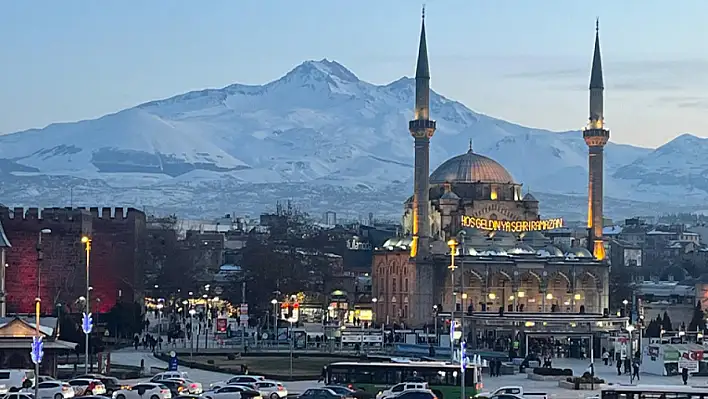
(116, 256)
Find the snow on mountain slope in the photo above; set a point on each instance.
(680, 164)
(318, 129)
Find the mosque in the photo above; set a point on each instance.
(473, 243)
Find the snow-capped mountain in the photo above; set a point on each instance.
(319, 135)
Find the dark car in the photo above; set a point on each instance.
(321, 393)
(243, 391)
(417, 394)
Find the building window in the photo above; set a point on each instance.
(394, 286)
(405, 282)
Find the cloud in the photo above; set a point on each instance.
(630, 76)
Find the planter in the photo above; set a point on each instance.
(580, 387)
(536, 377)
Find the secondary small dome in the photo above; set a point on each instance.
(471, 168)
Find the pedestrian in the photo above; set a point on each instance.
(684, 375)
(605, 356)
(635, 370)
(619, 367)
(497, 372)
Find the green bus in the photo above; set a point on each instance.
(373, 377)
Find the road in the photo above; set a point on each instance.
(608, 373)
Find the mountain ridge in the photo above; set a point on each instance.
(320, 125)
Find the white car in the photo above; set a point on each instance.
(233, 392)
(19, 395)
(237, 379)
(14, 378)
(168, 375)
(53, 390)
(271, 389)
(87, 386)
(398, 388)
(195, 388)
(145, 390)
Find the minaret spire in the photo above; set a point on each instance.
(422, 129)
(596, 137)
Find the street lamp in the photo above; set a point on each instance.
(274, 302)
(160, 306)
(452, 243)
(191, 333)
(629, 329)
(86, 240)
(37, 302)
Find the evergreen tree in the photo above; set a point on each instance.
(698, 320)
(666, 323)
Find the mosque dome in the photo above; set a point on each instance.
(471, 168)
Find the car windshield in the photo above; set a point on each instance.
(340, 390)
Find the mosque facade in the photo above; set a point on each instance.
(474, 242)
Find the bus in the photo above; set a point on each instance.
(443, 378)
(654, 392)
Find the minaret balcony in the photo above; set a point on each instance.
(422, 128)
(596, 137)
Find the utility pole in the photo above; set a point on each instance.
(243, 321)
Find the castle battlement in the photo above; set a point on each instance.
(69, 214)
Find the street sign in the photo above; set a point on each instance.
(173, 364)
(243, 314)
(87, 323)
(37, 350)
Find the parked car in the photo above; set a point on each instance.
(19, 395)
(237, 379)
(52, 390)
(168, 375)
(320, 393)
(87, 386)
(145, 390)
(402, 387)
(230, 391)
(347, 393)
(195, 388)
(416, 394)
(176, 388)
(14, 380)
(111, 383)
(271, 389)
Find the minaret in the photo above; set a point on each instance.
(422, 129)
(596, 136)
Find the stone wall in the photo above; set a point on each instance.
(116, 257)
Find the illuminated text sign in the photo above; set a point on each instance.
(513, 226)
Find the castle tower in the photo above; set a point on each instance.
(596, 136)
(422, 129)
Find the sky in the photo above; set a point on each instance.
(526, 62)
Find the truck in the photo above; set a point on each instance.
(513, 390)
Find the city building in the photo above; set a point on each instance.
(16, 339)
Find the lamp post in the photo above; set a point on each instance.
(87, 246)
(452, 243)
(191, 333)
(160, 306)
(37, 304)
(274, 302)
(630, 328)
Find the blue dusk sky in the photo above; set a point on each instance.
(524, 61)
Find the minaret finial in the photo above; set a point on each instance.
(597, 24)
(423, 12)
(470, 150)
